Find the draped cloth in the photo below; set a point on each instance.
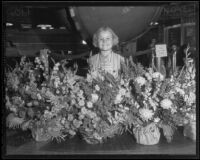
(111, 65)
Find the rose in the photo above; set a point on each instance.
(166, 103)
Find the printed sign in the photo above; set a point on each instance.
(161, 50)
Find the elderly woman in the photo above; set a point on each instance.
(105, 39)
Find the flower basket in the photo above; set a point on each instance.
(39, 134)
(90, 137)
(190, 130)
(149, 135)
(93, 137)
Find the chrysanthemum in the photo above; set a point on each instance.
(81, 103)
(140, 80)
(166, 103)
(89, 104)
(146, 114)
(83, 110)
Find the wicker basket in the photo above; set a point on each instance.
(149, 135)
(39, 135)
(96, 138)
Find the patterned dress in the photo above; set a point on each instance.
(111, 64)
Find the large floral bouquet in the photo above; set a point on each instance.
(44, 105)
(185, 92)
(100, 110)
(152, 106)
(22, 95)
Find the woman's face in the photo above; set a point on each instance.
(105, 41)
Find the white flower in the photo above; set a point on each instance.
(140, 80)
(83, 110)
(94, 74)
(148, 76)
(173, 110)
(136, 105)
(191, 98)
(89, 104)
(122, 82)
(110, 85)
(81, 103)
(179, 90)
(157, 119)
(81, 116)
(73, 102)
(118, 99)
(57, 91)
(158, 75)
(166, 103)
(122, 91)
(97, 87)
(153, 104)
(57, 64)
(94, 97)
(146, 114)
(70, 117)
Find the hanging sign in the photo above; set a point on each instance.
(161, 50)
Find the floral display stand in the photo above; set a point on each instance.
(148, 135)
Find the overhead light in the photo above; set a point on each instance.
(9, 24)
(84, 42)
(45, 26)
(154, 23)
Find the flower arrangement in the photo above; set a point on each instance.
(100, 113)
(44, 104)
(55, 103)
(152, 105)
